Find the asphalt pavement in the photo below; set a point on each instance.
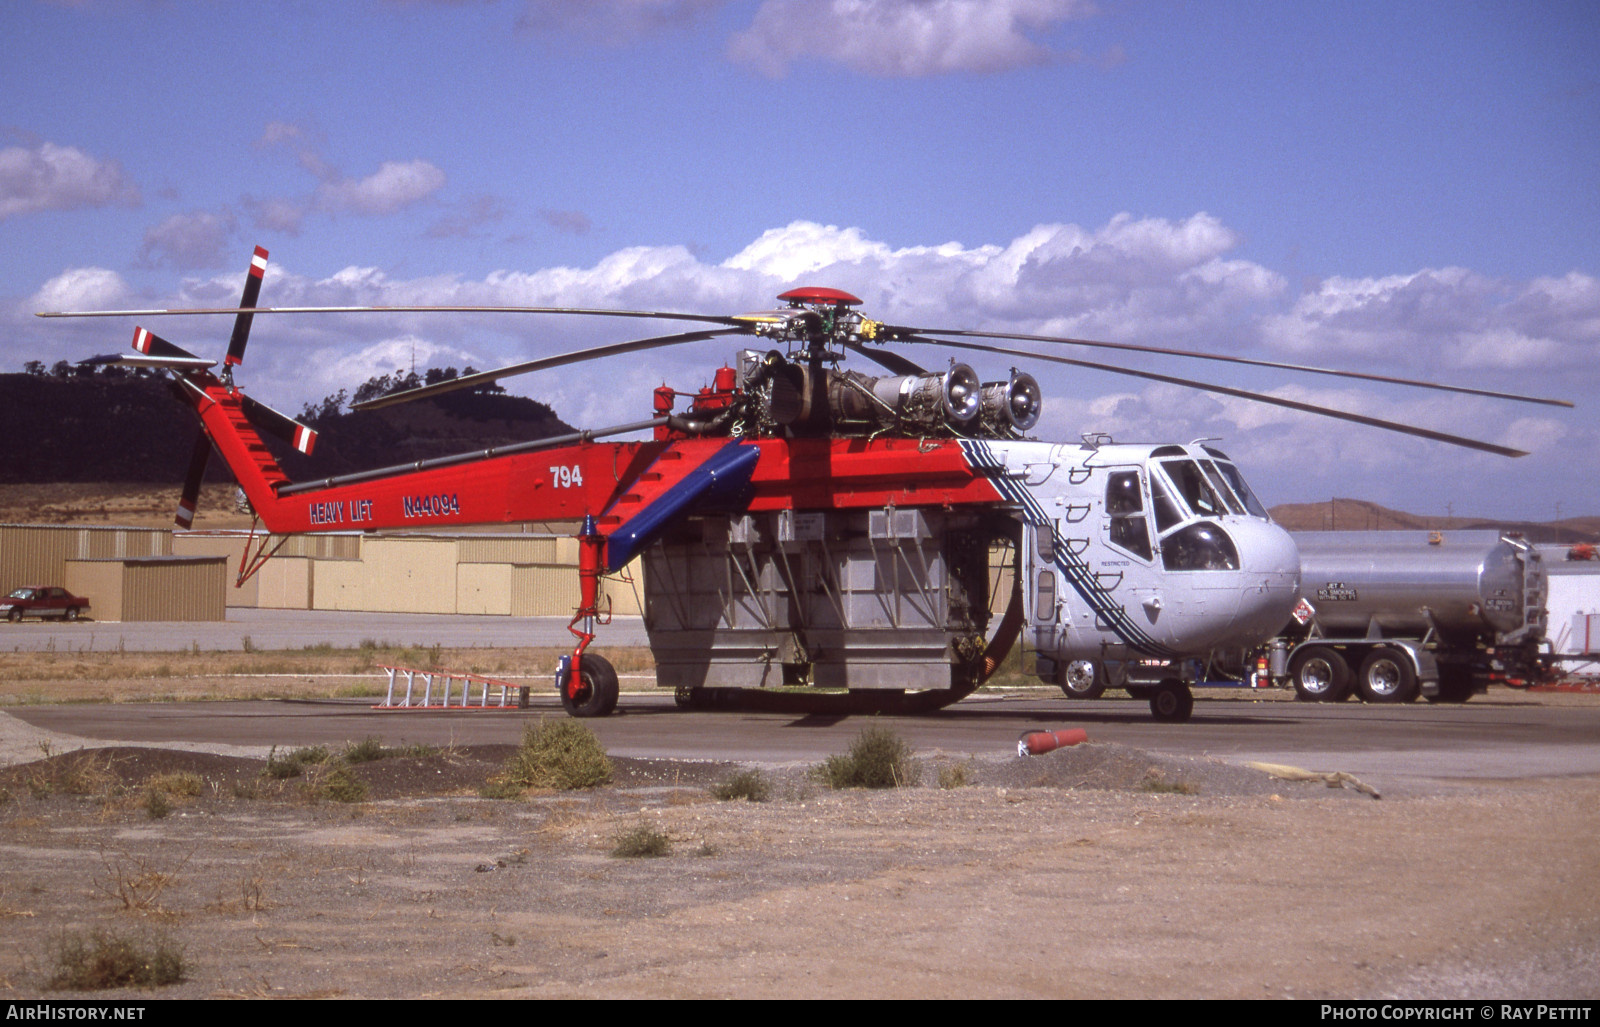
(298, 629)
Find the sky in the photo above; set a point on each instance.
(1409, 189)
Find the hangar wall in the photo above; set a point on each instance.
(515, 575)
(151, 588)
(36, 554)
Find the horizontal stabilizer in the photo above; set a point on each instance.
(140, 360)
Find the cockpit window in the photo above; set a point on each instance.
(1214, 476)
(1122, 494)
(1168, 513)
(1199, 547)
(1125, 505)
(1193, 489)
(1236, 482)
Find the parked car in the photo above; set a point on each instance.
(42, 601)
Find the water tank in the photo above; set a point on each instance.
(1461, 582)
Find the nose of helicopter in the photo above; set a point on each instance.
(1269, 563)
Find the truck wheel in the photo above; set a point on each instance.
(597, 691)
(1172, 701)
(1082, 680)
(1387, 677)
(1320, 674)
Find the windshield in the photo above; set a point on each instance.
(21, 593)
(1236, 482)
(1210, 489)
(1199, 547)
(1194, 489)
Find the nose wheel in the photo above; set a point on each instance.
(1172, 701)
(597, 688)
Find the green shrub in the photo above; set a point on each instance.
(341, 786)
(559, 754)
(750, 785)
(104, 960)
(878, 758)
(279, 769)
(642, 840)
(294, 764)
(156, 804)
(178, 782)
(367, 750)
(499, 787)
(1155, 781)
(309, 754)
(955, 775)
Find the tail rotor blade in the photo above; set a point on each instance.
(302, 437)
(189, 501)
(241, 324)
(153, 345)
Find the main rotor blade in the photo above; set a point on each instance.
(886, 359)
(247, 306)
(1258, 397)
(576, 356)
(177, 311)
(912, 335)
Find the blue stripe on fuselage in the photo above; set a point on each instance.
(1073, 568)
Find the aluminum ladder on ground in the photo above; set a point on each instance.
(508, 697)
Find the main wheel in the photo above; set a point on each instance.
(597, 690)
(1387, 677)
(1320, 674)
(1082, 680)
(1172, 701)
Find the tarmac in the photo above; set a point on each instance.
(247, 628)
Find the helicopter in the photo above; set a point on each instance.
(804, 525)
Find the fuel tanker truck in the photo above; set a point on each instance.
(1390, 615)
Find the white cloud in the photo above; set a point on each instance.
(904, 38)
(198, 239)
(1140, 280)
(52, 177)
(1446, 318)
(393, 187)
(613, 21)
(81, 288)
(331, 369)
(571, 222)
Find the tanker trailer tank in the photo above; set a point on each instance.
(1390, 615)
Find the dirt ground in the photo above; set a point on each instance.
(122, 505)
(1094, 871)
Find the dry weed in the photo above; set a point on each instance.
(134, 882)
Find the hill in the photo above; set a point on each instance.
(128, 428)
(1360, 515)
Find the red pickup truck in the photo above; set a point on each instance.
(42, 601)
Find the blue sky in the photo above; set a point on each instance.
(1411, 189)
